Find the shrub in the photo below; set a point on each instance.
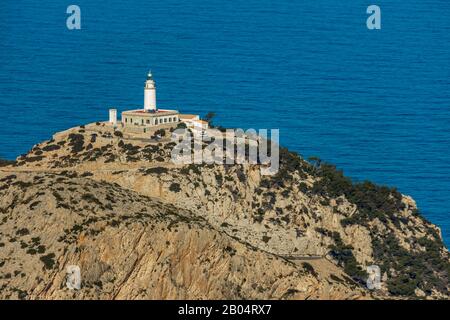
(4, 163)
(343, 254)
(373, 201)
(402, 285)
(89, 197)
(31, 251)
(219, 178)
(175, 187)
(156, 170)
(231, 251)
(160, 132)
(51, 147)
(48, 260)
(34, 159)
(241, 174)
(76, 141)
(209, 117)
(303, 187)
(426, 269)
(86, 174)
(192, 167)
(309, 268)
(181, 125)
(22, 232)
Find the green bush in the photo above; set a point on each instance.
(156, 170)
(303, 187)
(343, 254)
(76, 141)
(51, 147)
(425, 269)
(373, 201)
(22, 232)
(4, 163)
(160, 132)
(181, 125)
(175, 187)
(309, 268)
(48, 261)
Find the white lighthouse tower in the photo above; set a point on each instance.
(150, 94)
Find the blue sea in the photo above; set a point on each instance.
(374, 102)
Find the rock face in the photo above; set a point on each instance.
(140, 227)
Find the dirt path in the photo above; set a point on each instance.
(115, 167)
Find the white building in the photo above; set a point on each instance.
(194, 123)
(151, 118)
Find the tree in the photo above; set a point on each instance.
(181, 125)
(4, 162)
(208, 118)
(316, 161)
(160, 132)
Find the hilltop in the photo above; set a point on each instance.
(142, 227)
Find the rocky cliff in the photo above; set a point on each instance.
(142, 227)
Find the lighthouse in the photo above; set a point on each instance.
(142, 122)
(150, 94)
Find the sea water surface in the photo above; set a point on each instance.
(374, 102)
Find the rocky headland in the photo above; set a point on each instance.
(141, 227)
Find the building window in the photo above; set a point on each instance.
(148, 121)
(160, 120)
(126, 120)
(170, 119)
(165, 120)
(142, 121)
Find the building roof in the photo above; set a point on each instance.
(145, 113)
(188, 116)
